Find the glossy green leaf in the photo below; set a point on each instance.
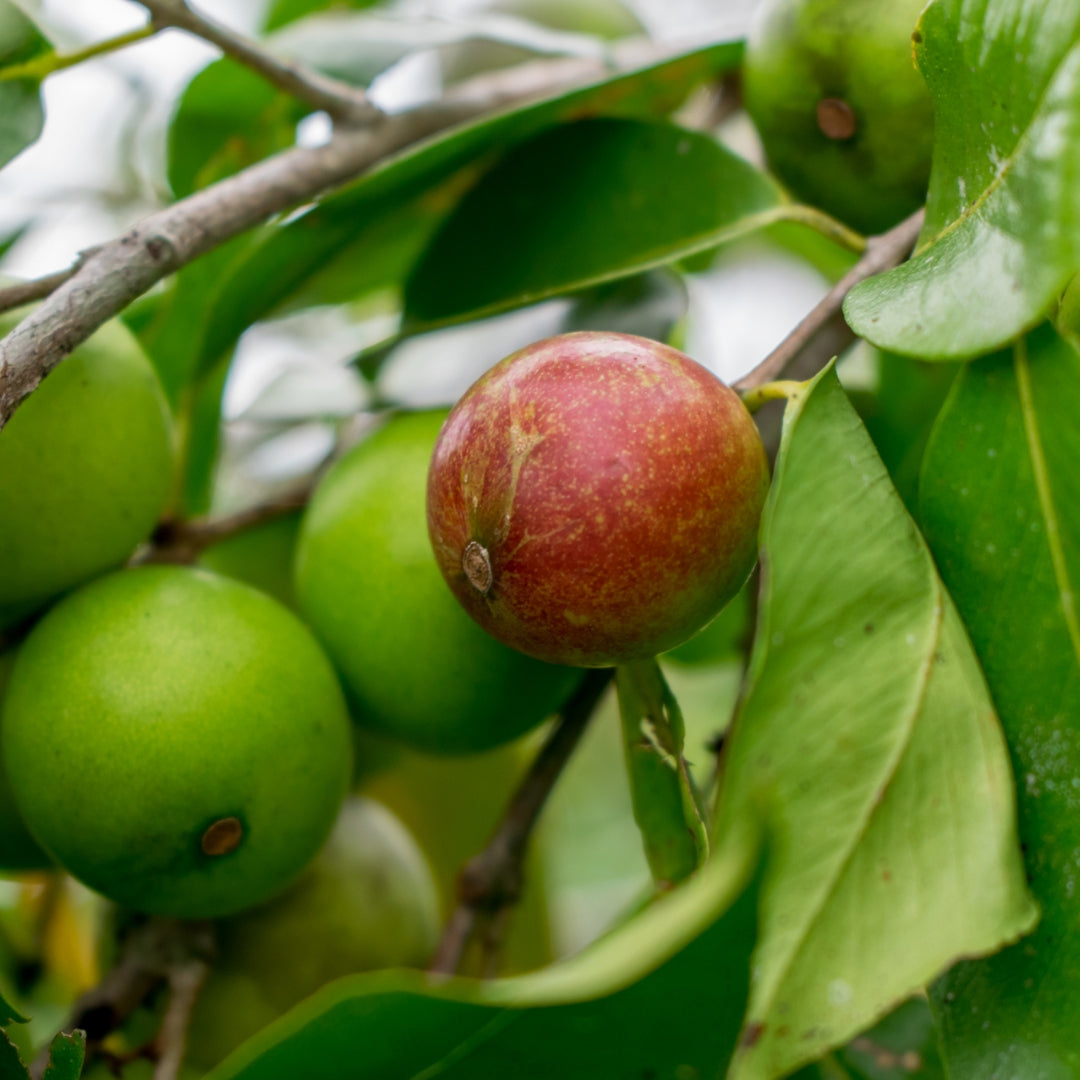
(581, 204)
(1002, 232)
(1000, 504)
(378, 225)
(869, 738)
(66, 1054)
(228, 118)
(22, 116)
(621, 1008)
(650, 305)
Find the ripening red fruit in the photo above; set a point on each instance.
(595, 498)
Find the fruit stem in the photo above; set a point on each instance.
(781, 390)
(491, 882)
(50, 62)
(826, 225)
(667, 806)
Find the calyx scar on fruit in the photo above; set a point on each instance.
(595, 497)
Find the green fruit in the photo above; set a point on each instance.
(85, 470)
(176, 740)
(261, 556)
(18, 849)
(416, 666)
(845, 118)
(367, 902)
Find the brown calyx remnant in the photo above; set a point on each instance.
(836, 118)
(222, 836)
(476, 563)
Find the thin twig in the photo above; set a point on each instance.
(51, 62)
(184, 541)
(26, 292)
(492, 881)
(149, 955)
(124, 268)
(823, 333)
(342, 101)
(185, 982)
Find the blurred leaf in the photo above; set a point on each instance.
(1002, 232)
(203, 434)
(903, 1046)
(22, 116)
(394, 208)
(286, 11)
(650, 305)
(869, 736)
(1000, 503)
(8, 1015)
(900, 414)
(10, 239)
(11, 1064)
(622, 1008)
(358, 46)
(228, 118)
(66, 1054)
(582, 204)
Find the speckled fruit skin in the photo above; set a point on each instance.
(155, 702)
(368, 901)
(86, 468)
(801, 52)
(18, 849)
(414, 665)
(616, 486)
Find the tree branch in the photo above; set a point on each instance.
(491, 882)
(186, 980)
(26, 292)
(184, 541)
(123, 269)
(344, 103)
(151, 955)
(824, 333)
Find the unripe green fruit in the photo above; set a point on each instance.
(367, 902)
(414, 664)
(18, 849)
(595, 497)
(176, 740)
(845, 118)
(85, 470)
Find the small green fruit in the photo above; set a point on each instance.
(85, 470)
(367, 902)
(18, 849)
(176, 740)
(415, 665)
(845, 118)
(595, 497)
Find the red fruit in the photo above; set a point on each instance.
(595, 498)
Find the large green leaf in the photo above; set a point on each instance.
(869, 737)
(66, 1055)
(582, 204)
(22, 116)
(228, 118)
(1000, 503)
(1002, 231)
(395, 207)
(660, 996)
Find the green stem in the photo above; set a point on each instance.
(667, 807)
(825, 224)
(780, 390)
(50, 62)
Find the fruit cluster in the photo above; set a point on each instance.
(183, 742)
